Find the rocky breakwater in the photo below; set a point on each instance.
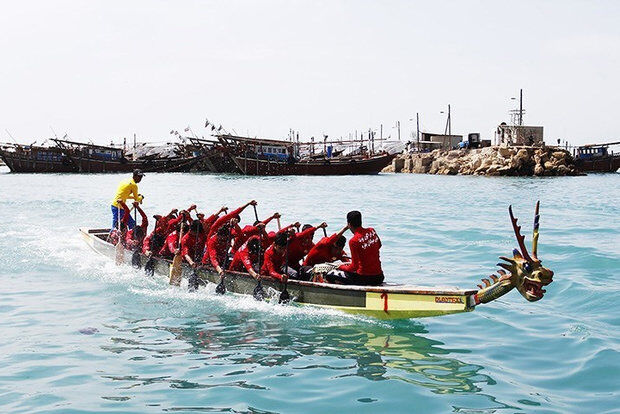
(492, 161)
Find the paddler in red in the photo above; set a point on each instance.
(218, 242)
(328, 249)
(271, 236)
(153, 242)
(115, 234)
(208, 222)
(135, 236)
(228, 217)
(247, 258)
(183, 216)
(171, 245)
(301, 243)
(275, 258)
(240, 237)
(365, 265)
(216, 253)
(192, 244)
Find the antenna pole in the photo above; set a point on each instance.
(521, 107)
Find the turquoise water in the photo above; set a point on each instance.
(81, 335)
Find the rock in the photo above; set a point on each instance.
(398, 164)
(539, 170)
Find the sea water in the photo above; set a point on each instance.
(78, 334)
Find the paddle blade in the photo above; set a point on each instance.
(284, 296)
(120, 253)
(259, 293)
(176, 270)
(193, 281)
(220, 289)
(135, 259)
(149, 267)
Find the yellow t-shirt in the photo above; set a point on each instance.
(126, 189)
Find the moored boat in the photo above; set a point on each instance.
(388, 301)
(597, 158)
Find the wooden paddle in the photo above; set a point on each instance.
(176, 268)
(324, 232)
(259, 293)
(120, 250)
(285, 297)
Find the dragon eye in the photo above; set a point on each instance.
(527, 267)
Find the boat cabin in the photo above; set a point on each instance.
(588, 152)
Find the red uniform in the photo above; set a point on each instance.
(192, 245)
(241, 236)
(322, 251)
(364, 245)
(299, 246)
(244, 260)
(223, 220)
(170, 245)
(207, 223)
(273, 263)
(154, 241)
(132, 244)
(216, 251)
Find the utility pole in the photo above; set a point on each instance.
(448, 129)
(521, 107)
(381, 134)
(417, 133)
(398, 126)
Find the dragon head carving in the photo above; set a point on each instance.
(522, 271)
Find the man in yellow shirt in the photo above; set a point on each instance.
(126, 189)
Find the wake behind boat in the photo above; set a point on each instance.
(386, 301)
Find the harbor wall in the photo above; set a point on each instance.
(492, 161)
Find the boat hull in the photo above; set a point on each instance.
(383, 302)
(610, 163)
(253, 166)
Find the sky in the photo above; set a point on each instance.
(102, 70)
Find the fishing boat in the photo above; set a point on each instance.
(388, 301)
(597, 158)
(78, 157)
(267, 157)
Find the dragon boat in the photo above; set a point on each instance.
(388, 301)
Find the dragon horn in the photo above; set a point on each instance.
(494, 278)
(520, 238)
(535, 235)
(486, 282)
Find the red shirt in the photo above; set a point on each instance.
(207, 223)
(299, 245)
(244, 260)
(192, 245)
(242, 235)
(216, 251)
(272, 265)
(322, 251)
(364, 245)
(170, 245)
(222, 220)
(154, 241)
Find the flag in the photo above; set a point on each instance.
(219, 128)
(212, 127)
(172, 132)
(206, 123)
(186, 129)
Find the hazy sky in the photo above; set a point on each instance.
(106, 69)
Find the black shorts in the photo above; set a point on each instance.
(350, 278)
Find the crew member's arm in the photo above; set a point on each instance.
(353, 265)
(145, 220)
(185, 250)
(226, 218)
(271, 270)
(212, 248)
(134, 193)
(146, 244)
(126, 212)
(267, 220)
(247, 262)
